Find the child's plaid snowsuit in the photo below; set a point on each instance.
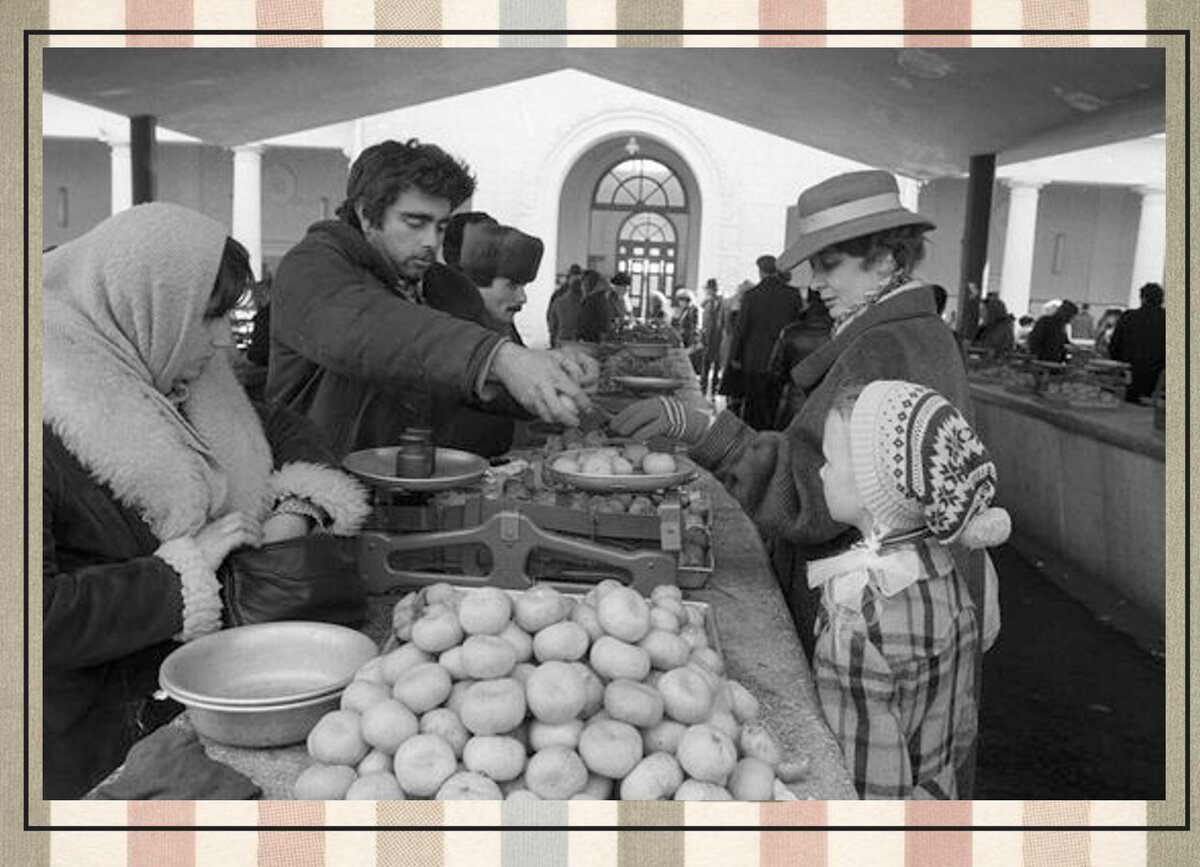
(894, 666)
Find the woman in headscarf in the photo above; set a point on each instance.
(155, 466)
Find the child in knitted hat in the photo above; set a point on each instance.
(897, 636)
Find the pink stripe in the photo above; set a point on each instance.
(291, 848)
(937, 848)
(792, 848)
(937, 15)
(158, 15)
(791, 15)
(161, 848)
(290, 15)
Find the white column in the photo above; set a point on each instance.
(1150, 254)
(120, 169)
(247, 201)
(1016, 270)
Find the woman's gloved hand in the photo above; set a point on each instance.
(661, 416)
(217, 539)
(284, 526)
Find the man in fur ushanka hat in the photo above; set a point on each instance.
(499, 261)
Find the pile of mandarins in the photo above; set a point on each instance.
(541, 695)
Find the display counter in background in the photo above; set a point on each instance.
(1087, 487)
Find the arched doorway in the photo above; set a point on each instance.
(646, 251)
(632, 204)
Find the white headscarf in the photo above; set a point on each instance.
(122, 316)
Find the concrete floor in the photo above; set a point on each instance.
(1072, 708)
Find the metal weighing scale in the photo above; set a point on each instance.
(417, 537)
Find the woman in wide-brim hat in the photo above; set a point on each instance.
(863, 246)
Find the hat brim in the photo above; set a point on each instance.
(814, 242)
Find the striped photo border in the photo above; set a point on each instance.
(551, 843)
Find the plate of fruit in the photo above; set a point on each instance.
(627, 467)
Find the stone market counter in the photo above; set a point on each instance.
(1087, 485)
(756, 636)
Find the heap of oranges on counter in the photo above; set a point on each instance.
(493, 695)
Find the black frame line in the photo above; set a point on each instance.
(382, 829)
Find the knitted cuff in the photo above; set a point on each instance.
(199, 587)
(723, 434)
(304, 508)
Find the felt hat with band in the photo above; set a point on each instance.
(845, 207)
(491, 251)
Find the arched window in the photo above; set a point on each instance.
(639, 183)
(647, 242)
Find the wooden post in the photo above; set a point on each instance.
(975, 244)
(141, 145)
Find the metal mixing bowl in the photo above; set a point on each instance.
(265, 664)
(259, 726)
(264, 685)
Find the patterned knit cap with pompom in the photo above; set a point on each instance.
(918, 463)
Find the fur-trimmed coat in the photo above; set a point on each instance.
(775, 475)
(110, 606)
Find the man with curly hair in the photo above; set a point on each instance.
(355, 347)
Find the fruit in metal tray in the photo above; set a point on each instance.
(578, 728)
(633, 702)
(468, 786)
(624, 614)
(706, 754)
(658, 464)
(752, 780)
(610, 748)
(388, 724)
(423, 763)
(498, 757)
(375, 786)
(486, 611)
(555, 773)
(565, 640)
(323, 783)
(337, 739)
(555, 692)
(422, 687)
(543, 734)
(654, 778)
(492, 707)
(444, 722)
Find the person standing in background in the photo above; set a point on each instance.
(596, 311)
(1049, 341)
(1083, 326)
(731, 367)
(1140, 340)
(552, 323)
(766, 310)
(711, 334)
